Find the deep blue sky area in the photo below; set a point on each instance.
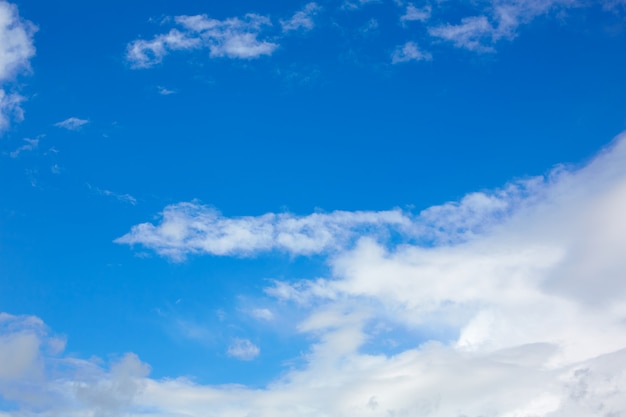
(328, 120)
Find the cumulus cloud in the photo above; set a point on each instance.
(409, 52)
(192, 228)
(72, 123)
(243, 349)
(519, 290)
(414, 14)
(509, 303)
(16, 50)
(231, 38)
(302, 19)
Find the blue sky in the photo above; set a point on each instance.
(330, 208)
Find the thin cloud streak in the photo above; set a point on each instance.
(72, 123)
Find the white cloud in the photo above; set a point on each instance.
(357, 4)
(432, 379)
(72, 123)
(10, 108)
(511, 303)
(16, 50)
(413, 14)
(146, 53)
(409, 52)
(302, 19)
(472, 33)
(125, 198)
(165, 91)
(188, 228)
(16, 42)
(243, 349)
(31, 144)
(499, 20)
(263, 314)
(231, 38)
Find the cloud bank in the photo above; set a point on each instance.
(506, 303)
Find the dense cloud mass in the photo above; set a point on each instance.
(520, 292)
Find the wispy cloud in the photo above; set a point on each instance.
(192, 228)
(262, 314)
(497, 21)
(72, 123)
(409, 52)
(125, 198)
(357, 4)
(165, 91)
(16, 50)
(30, 145)
(302, 19)
(231, 38)
(243, 349)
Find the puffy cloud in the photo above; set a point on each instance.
(16, 50)
(409, 52)
(231, 38)
(243, 349)
(262, 314)
(302, 19)
(72, 123)
(36, 377)
(413, 14)
(507, 303)
(146, 53)
(188, 228)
